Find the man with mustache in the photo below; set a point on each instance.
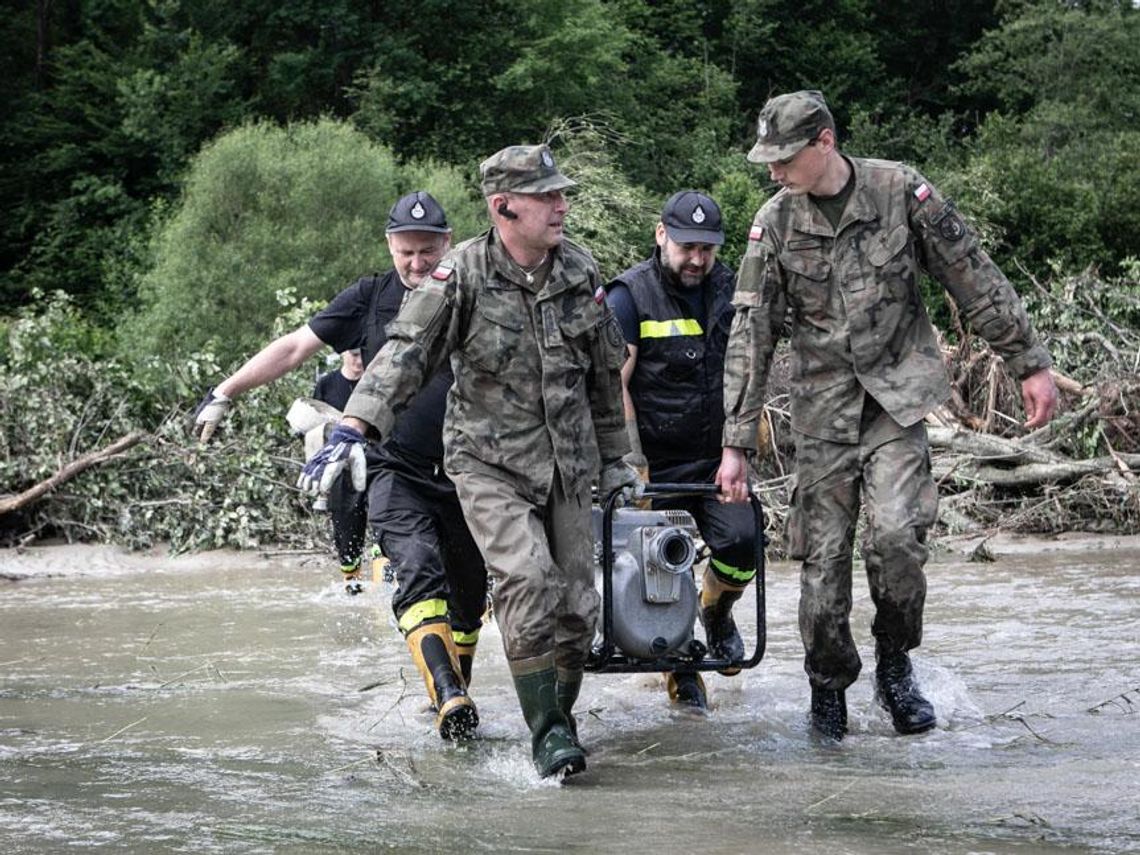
(533, 416)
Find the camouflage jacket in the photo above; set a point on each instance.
(537, 367)
(857, 319)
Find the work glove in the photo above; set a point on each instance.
(641, 467)
(344, 449)
(209, 414)
(619, 475)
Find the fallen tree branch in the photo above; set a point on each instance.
(80, 464)
(1037, 473)
(988, 446)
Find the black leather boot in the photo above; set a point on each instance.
(829, 712)
(899, 694)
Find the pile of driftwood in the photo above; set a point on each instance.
(1081, 472)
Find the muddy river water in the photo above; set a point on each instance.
(244, 703)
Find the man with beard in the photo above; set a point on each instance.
(675, 311)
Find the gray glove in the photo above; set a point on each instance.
(619, 475)
(213, 406)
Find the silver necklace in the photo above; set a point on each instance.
(529, 272)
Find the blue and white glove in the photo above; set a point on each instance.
(344, 449)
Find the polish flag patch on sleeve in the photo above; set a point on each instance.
(600, 295)
(922, 192)
(442, 272)
(756, 233)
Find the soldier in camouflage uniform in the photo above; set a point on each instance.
(535, 412)
(840, 248)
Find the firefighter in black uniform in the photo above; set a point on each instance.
(411, 504)
(675, 311)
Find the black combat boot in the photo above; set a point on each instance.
(717, 600)
(829, 712)
(433, 651)
(899, 694)
(553, 745)
(687, 689)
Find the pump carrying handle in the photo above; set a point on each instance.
(605, 659)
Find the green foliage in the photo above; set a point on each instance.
(300, 209)
(740, 196)
(608, 215)
(64, 394)
(1091, 323)
(1056, 171)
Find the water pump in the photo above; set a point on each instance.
(650, 600)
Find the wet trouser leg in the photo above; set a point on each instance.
(891, 465)
(417, 521)
(348, 510)
(902, 502)
(540, 557)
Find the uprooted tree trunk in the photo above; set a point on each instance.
(9, 504)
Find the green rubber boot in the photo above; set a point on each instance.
(569, 684)
(553, 746)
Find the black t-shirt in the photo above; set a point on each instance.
(334, 389)
(343, 324)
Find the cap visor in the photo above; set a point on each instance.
(695, 236)
(770, 153)
(417, 227)
(545, 185)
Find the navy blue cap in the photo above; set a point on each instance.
(417, 212)
(692, 217)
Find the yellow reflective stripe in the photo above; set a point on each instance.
(669, 329)
(420, 612)
(465, 639)
(734, 573)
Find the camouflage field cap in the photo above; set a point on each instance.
(521, 169)
(417, 212)
(788, 123)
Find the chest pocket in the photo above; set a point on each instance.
(808, 277)
(890, 269)
(496, 331)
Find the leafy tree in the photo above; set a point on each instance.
(269, 213)
(1055, 169)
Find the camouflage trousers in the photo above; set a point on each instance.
(541, 560)
(890, 468)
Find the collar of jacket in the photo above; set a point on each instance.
(861, 207)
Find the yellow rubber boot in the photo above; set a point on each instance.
(687, 689)
(465, 649)
(717, 599)
(437, 660)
